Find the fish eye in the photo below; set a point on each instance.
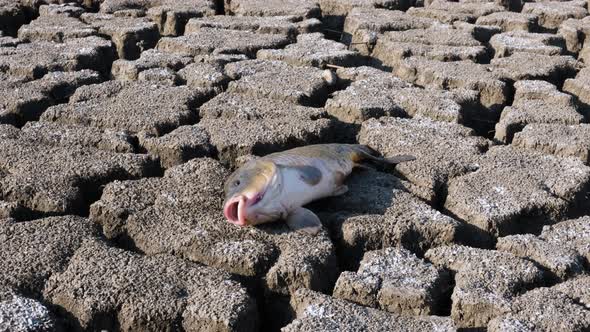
(236, 183)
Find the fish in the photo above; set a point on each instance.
(277, 186)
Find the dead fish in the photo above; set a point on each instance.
(277, 186)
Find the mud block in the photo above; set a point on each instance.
(486, 282)
(104, 287)
(394, 280)
(318, 312)
(518, 191)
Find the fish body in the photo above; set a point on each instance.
(276, 186)
(312, 172)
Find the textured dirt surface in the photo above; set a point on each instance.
(121, 120)
(395, 281)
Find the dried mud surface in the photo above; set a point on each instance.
(121, 120)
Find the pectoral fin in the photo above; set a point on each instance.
(341, 190)
(309, 174)
(304, 220)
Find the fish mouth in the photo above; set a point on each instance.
(235, 209)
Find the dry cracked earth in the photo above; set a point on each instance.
(120, 121)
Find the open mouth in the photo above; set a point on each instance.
(234, 211)
(231, 211)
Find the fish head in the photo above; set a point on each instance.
(252, 192)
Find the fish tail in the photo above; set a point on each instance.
(363, 152)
